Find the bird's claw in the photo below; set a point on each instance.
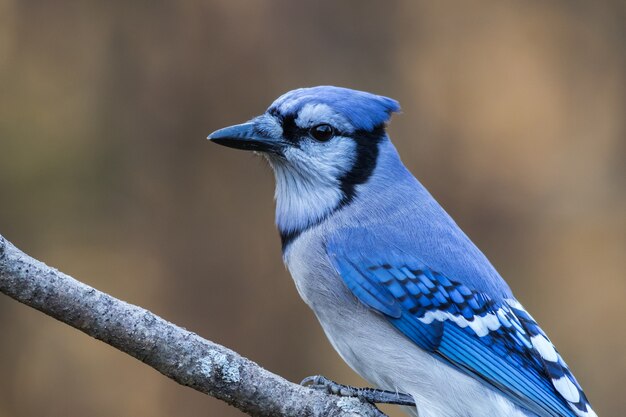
(320, 382)
(312, 381)
(369, 395)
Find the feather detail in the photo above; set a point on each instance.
(493, 339)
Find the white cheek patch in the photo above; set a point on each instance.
(312, 114)
(308, 185)
(329, 160)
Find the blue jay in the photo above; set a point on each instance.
(403, 295)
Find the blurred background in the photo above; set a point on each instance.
(514, 116)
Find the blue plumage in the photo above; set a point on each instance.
(363, 110)
(488, 339)
(402, 293)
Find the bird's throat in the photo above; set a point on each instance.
(302, 201)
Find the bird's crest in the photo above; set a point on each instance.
(365, 111)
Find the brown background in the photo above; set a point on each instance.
(514, 118)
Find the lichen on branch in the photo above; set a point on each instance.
(175, 352)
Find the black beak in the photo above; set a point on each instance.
(246, 137)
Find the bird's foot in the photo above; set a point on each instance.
(369, 395)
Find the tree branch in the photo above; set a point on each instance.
(173, 351)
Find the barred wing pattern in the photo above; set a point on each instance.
(495, 341)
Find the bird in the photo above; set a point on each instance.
(404, 296)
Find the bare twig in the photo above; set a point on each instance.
(175, 352)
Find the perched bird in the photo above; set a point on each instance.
(404, 296)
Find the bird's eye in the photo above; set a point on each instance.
(322, 133)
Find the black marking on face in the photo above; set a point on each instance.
(291, 131)
(287, 237)
(367, 155)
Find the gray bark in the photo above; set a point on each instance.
(175, 352)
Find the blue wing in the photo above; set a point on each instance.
(491, 338)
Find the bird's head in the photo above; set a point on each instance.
(322, 142)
